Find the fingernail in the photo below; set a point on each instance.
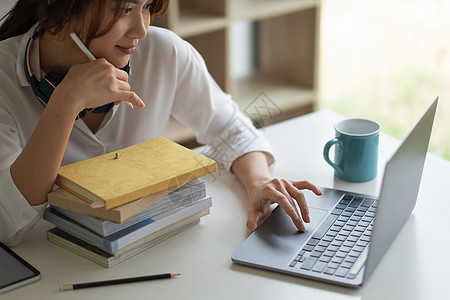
(307, 219)
(302, 227)
(299, 224)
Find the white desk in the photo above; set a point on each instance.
(202, 253)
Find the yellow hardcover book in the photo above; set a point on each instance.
(125, 175)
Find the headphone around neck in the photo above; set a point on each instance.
(44, 89)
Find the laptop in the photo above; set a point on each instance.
(349, 232)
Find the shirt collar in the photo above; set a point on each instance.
(34, 57)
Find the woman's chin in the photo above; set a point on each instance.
(120, 62)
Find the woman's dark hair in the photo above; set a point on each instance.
(54, 16)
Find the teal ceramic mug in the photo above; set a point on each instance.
(355, 150)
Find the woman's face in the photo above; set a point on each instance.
(119, 43)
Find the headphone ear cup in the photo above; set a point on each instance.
(49, 83)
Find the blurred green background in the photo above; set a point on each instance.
(387, 60)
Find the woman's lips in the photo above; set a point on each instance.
(127, 50)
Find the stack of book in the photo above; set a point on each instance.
(114, 206)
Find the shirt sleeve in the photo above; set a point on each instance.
(17, 216)
(211, 114)
(237, 138)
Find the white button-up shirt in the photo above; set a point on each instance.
(171, 78)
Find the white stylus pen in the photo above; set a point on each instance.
(88, 53)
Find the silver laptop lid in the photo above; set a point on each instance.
(400, 188)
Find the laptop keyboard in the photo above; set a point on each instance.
(339, 246)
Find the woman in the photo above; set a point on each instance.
(168, 78)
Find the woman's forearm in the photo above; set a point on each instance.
(35, 169)
(252, 169)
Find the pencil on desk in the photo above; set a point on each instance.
(70, 287)
(88, 53)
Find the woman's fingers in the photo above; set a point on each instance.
(301, 201)
(302, 185)
(121, 75)
(253, 218)
(280, 195)
(113, 84)
(298, 195)
(285, 193)
(130, 97)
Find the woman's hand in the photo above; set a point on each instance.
(262, 190)
(94, 84)
(284, 192)
(85, 86)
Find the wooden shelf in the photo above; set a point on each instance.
(284, 95)
(266, 101)
(251, 10)
(194, 17)
(213, 48)
(192, 23)
(285, 42)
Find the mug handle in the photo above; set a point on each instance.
(326, 153)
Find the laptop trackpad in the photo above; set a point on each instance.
(277, 240)
(280, 225)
